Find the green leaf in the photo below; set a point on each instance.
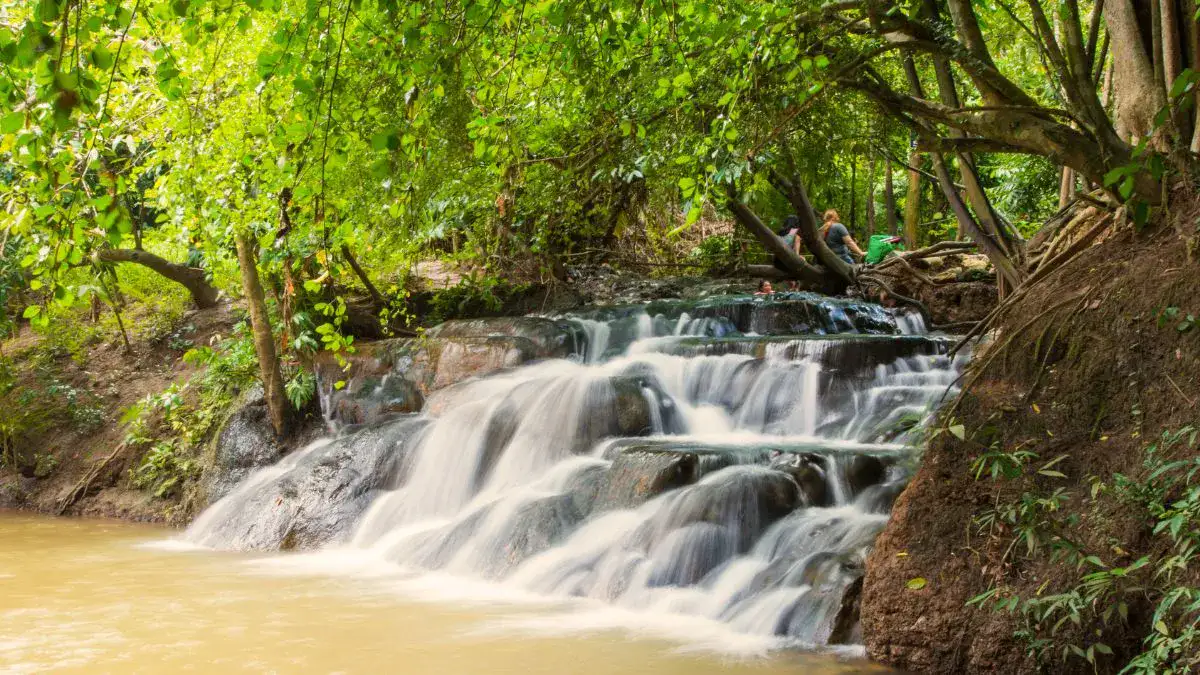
(1126, 188)
(1115, 175)
(12, 122)
(916, 584)
(959, 431)
(31, 311)
(626, 127)
(1162, 628)
(101, 57)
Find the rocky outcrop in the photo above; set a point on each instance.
(639, 474)
(398, 375)
(245, 442)
(845, 354)
(313, 496)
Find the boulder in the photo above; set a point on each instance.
(746, 499)
(551, 338)
(244, 443)
(399, 375)
(810, 473)
(639, 474)
(863, 471)
(312, 497)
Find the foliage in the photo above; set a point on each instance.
(1174, 317)
(714, 253)
(486, 131)
(1074, 622)
(174, 423)
(473, 296)
(301, 388)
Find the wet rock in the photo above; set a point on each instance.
(551, 338)
(396, 376)
(534, 527)
(809, 472)
(501, 428)
(631, 414)
(639, 475)
(863, 471)
(585, 487)
(847, 355)
(399, 375)
(245, 443)
(846, 629)
(375, 398)
(452, 360)
(747, 499)
(688, 554)
(879, 498)
(311, 498)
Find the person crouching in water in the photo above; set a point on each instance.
(764, 288)
(838, 238)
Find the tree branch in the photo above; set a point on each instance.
(191, 278)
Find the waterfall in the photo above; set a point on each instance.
(730, 460)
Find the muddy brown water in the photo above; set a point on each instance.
(89, 596)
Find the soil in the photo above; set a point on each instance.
(1090, 374)
(107, 380)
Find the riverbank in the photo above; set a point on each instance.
(1048, 470)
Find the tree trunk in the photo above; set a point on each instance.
(853, 193)
(842, 271)
(264, 340)
(870, 205)
(999, 258)
(1066, 187)
(796, 266)
(376, 296)
(1139, 97)
(912, 201)
(191, 278)
(889, 197)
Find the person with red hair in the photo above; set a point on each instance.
(838, 238)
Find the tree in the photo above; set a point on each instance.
(264, 337)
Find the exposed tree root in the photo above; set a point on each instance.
(995, 352)
(81, 488)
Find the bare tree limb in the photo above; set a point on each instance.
(191, 278)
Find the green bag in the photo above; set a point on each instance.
(880, 246)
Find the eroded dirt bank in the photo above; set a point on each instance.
(1091, 367)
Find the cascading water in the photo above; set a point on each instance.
(731, 460)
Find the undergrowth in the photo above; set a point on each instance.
(1081, 617)
(473, 296)
(172, 425)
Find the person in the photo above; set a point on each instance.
(790, 233)
(764, 288)
(838, 238)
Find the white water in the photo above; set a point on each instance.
(517, 481)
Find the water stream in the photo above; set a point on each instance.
(722, 465)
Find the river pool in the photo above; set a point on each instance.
(92, 596)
